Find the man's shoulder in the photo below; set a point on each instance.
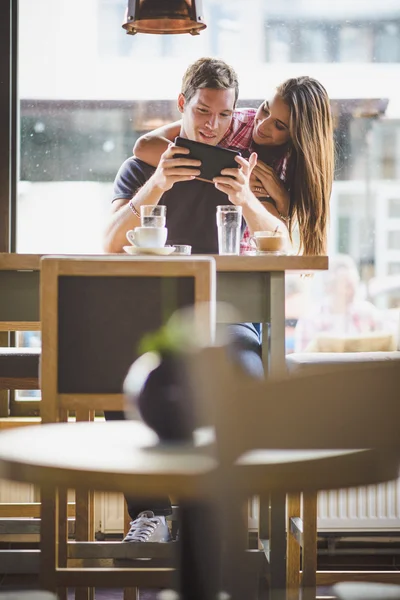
(136, 165)
(132, 175)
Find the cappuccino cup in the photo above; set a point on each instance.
(269, 241)
(147, 237)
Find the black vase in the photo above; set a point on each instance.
(165, 401)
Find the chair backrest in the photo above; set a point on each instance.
(337, 409)
(94, 313)
(19, 297)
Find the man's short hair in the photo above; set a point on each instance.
(209, 73)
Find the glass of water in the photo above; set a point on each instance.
(153, 215)
(229, 222)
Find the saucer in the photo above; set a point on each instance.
(155, 251)
(264, 253)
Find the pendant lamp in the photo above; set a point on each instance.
(164, 17)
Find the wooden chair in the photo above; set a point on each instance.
(283, 435)
(94, 313)
(265, 443)
(302, 528)
(19, 367)
(19, 309)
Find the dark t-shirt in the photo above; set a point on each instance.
(191, 206)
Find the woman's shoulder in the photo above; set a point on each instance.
(239, 134)
(244, 115)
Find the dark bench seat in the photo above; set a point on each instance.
(19, 368)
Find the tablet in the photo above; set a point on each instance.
(213, 158)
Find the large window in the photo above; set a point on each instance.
(319, 41)
(87, 91)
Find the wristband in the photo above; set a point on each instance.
(133, 209)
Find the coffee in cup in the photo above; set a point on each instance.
(269, 241)
(147, 237)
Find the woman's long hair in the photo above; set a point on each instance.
(312, 160)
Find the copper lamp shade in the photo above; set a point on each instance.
(164, 16)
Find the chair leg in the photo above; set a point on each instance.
(277, 542)
(130, 593)
(82, 534)
(62, 509)
(48, 539)
(309, 579)
(292, 549)
(62, 523)
(264, 517)
(84, 529)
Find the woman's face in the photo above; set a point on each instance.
(271, 124)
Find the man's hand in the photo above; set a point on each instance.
(170, 170)
(236, 182)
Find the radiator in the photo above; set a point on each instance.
(375, 507)
(109, 513)
(11, 492)
(368, 508)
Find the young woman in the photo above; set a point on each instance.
(293, 137)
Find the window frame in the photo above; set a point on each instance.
(8, 123)
(8, 144)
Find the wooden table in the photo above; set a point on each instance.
(112, 456)
(115, 456)
(254, 285)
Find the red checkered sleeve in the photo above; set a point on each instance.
(239, 134)
(245, 241)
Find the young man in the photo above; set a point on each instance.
(207, 100)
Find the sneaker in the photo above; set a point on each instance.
(148, 528)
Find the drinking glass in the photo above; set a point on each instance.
(153, 215)
(229, 221)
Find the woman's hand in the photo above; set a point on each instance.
(265, 177)
(257, 187)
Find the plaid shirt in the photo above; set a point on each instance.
(240, 137)
(240, 134)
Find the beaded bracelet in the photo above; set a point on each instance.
(133, 209)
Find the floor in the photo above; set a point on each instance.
(9, 583)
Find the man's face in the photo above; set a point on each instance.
(208, 115)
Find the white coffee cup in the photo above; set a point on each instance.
(147, 237)
(269, 241)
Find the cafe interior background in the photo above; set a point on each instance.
(87, 91)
